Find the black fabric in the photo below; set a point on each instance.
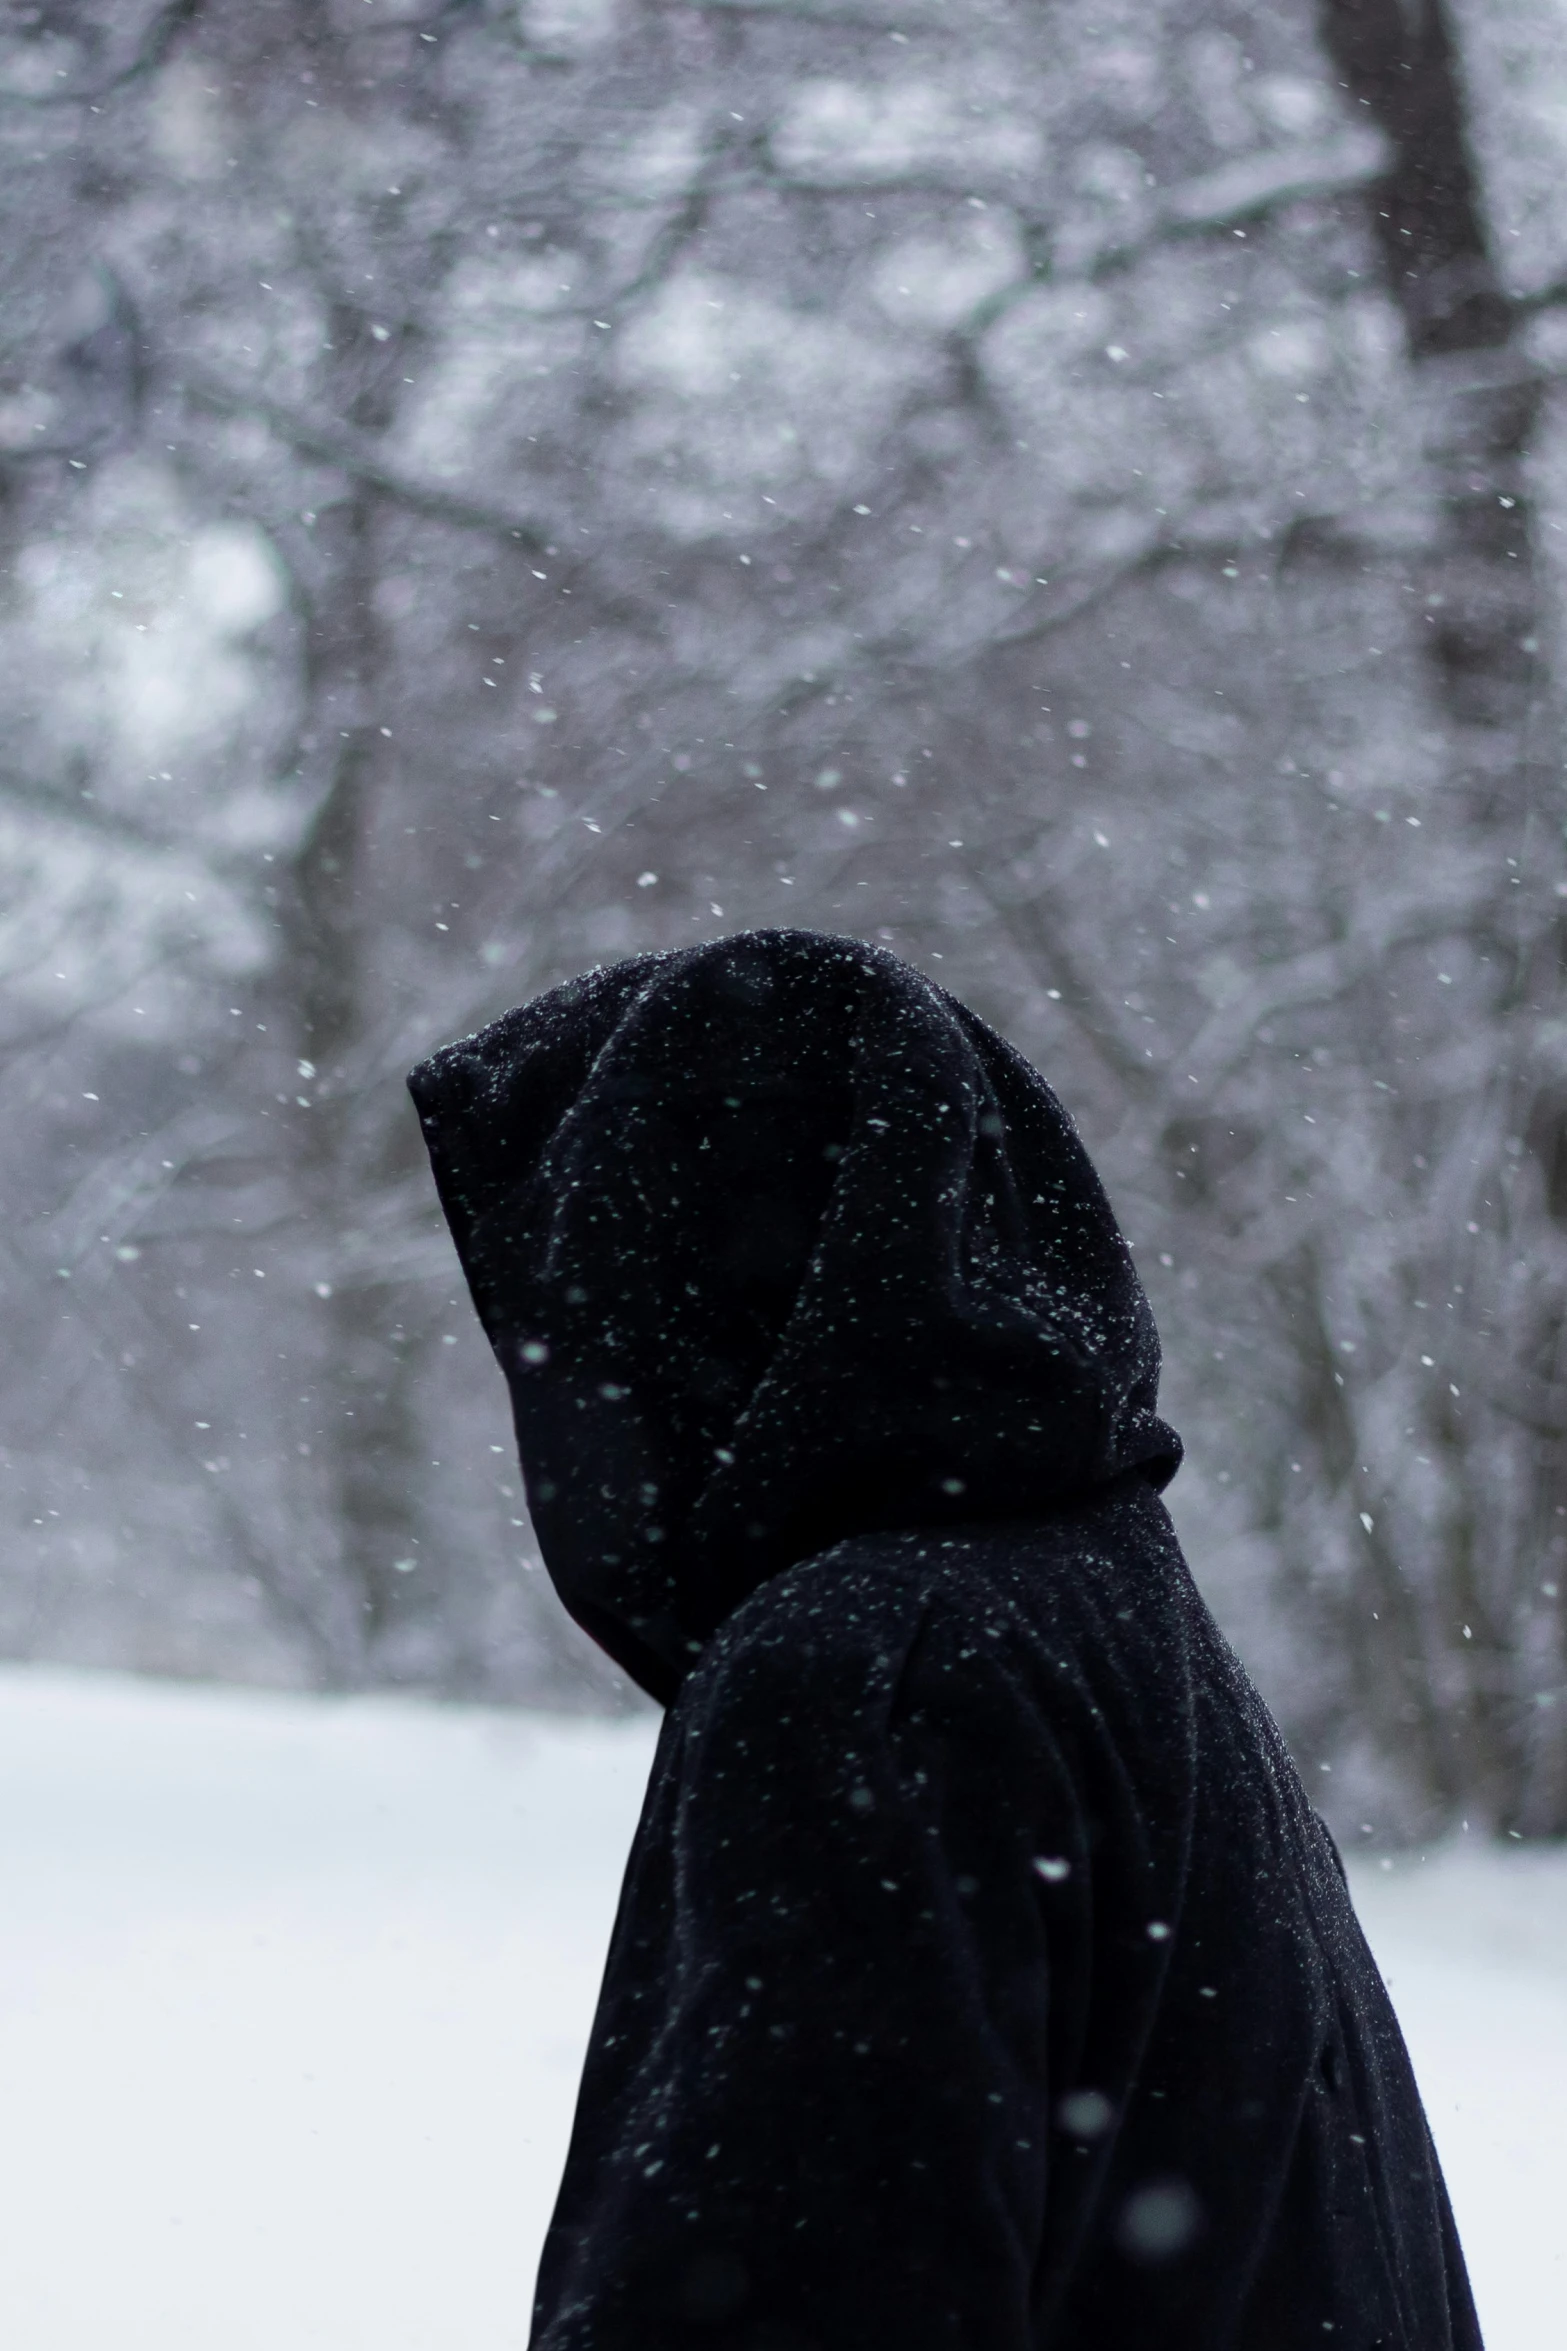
(776, 1242)
(982, 1977)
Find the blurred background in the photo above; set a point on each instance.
(1076, 494)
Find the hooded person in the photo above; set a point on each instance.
(983, 1979)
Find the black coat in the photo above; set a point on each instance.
(983, 1978)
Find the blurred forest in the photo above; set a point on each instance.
(1075, 493)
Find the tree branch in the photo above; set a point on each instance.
(170, 21)
(355, 454)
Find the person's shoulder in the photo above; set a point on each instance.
(1092, 1554)
(847, 1653)
(880, 1608)
(839, 1616)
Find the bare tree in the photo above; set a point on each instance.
(1068, 498)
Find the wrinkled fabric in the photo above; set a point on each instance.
(982, 1978)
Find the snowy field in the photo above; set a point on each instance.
(293, 1994)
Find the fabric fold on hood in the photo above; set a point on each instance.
(777, 1243)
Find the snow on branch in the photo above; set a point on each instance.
(1253, 184)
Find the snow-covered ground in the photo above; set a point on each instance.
(293, 1994)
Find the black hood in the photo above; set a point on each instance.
(777, 1243)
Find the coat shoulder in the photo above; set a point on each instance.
(1086, 1594)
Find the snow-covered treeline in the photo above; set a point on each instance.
(1074, 493)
